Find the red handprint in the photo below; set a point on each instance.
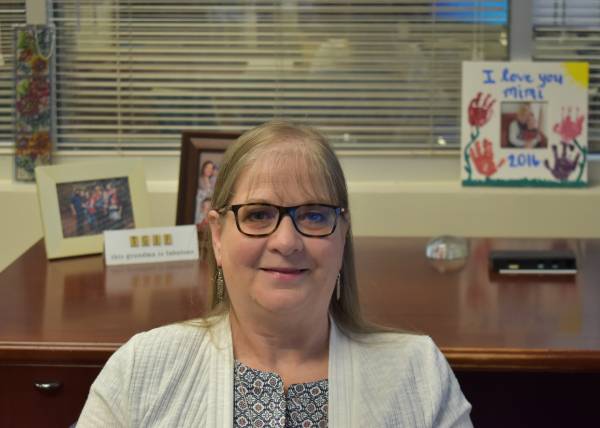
(484, 160)
(567, 128)
(480, 110)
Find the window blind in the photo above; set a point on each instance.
(11, 13)
(570, 31)
(133, 74)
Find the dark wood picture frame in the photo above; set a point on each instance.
(193, 145)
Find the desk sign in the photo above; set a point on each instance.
(157, 244)
(524, 124)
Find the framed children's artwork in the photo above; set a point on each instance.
(524, 124)
(201, 156)
(79, 201)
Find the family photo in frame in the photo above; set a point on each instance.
(93, 206)
(201, 156)
(79, 201)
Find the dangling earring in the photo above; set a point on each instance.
(220, 281)
(338, 286)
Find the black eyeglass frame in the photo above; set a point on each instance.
(290, 211)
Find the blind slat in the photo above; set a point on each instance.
(570, 31)
(11, 13)
(134, 73)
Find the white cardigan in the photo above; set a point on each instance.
(182, 376)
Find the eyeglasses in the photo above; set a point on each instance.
(314, 220)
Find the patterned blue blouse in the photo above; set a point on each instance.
(260, 401)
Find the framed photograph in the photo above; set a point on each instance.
(201, 156)
(524, 124)
(78, 202)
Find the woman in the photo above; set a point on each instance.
(284, 344)
(205, 188)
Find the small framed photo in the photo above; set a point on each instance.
(523, 125)
(78, 202)
(201, 156)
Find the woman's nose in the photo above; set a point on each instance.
(286, 239)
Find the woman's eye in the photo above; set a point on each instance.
(258, 214)
(313, 217)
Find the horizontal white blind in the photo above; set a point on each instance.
(11, 13)
(569, 30)
(134, 74)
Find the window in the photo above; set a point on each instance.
(570, 31)
(11, 13)
(135, 73)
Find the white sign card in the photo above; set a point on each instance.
(150, 245)
(524, 124)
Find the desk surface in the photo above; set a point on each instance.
(79, 310)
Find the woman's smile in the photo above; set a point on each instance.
(285, 273)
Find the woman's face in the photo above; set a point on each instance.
(208, 169)
(285, 271)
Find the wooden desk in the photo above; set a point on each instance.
(61, 320)
(484, 321)
(525, 351)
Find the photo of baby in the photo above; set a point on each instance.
(523, 125)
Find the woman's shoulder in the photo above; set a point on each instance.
(405, 373)
(165, 353)
(392, 354)
(155, 349)
(179, 337)
(382, 343)
(152, 375)
(395, 344)
(171, 335)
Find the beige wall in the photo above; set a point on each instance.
(391, 195)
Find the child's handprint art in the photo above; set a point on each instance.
(480, 111)
(569, 129)
(563, 165)
(523, 124)
(484, 159)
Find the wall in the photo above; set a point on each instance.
(391, 195)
